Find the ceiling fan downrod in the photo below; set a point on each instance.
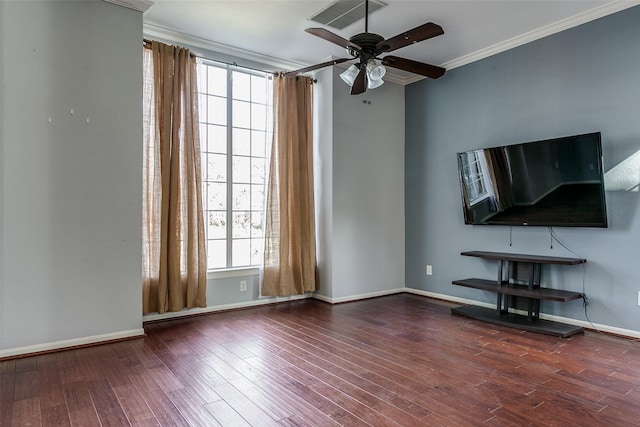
(366, 16)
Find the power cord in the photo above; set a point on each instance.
(585, 299)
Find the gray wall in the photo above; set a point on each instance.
(582, 80)
(71, 190)
(359, 180)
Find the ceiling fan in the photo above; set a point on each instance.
(366, 47)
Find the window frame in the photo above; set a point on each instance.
(229, 270)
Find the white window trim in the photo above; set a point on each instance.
(233, 272)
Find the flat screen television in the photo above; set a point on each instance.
(554, 183)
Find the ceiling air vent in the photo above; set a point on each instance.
(343, 13)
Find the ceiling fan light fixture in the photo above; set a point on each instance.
(375, 70)
(372, 84)
(349, 76)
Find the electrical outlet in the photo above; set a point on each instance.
(243, 286)
(429, 270)
(638, 297)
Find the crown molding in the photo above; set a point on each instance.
(200, 47)
(139, 5)
(562, 25)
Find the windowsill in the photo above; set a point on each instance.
(479, 199)
(233, 272)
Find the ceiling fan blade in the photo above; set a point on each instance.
(360, 83)
(416, 67)
(315, 67)
(333, 38)
(415, 35)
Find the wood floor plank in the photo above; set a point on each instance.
(321, 403)
(55, 416)
(106, 404)
(26, 364)
(134, 406)
(269, 403)
(194, 413)
(26, 385)
(49, 382)
(250, 412)
(157, 400)
(294, 403)
(26, 412)
(79, 404)
(226, 415)
(193, 380)
(399, 360)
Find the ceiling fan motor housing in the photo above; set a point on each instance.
(368, 43)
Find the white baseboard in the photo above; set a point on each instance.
(602, 328)
(358, 297)
(222, 307)
(75, 342)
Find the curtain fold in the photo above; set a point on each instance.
(500, 176)
(290, 242)
(174, 256)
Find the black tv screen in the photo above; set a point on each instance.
(555, 182)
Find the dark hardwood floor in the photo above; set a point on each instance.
(396, 360)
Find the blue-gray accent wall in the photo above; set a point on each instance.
(584, 79)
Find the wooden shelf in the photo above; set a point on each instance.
(518, 321)
(535, 259)
(523, 284)
(519, 290)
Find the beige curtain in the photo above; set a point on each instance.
(174, 258)
(500, 176)
(290, 243)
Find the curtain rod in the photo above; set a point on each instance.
(147, 44)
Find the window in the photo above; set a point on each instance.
(235, 121)
(473, 167)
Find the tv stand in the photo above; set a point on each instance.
(522, 284)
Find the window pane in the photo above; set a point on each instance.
(256, 224)
(216, 139)
(202, 78)
(217, 225)
(241, 86)
(257, 170)
(258, 143)
(241, 197)
(257, 246)
(241, 169)
(241, 226)
(202, 106)
(217, 81)
(258, 117)
(258, 89)
(241, 114)
(216, 110)
(216, 196)
(241, 252)
(241, 141)
(257, 197)
(203, 137)
(216, 253)
(217, 167)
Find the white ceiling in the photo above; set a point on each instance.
(473, 29)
